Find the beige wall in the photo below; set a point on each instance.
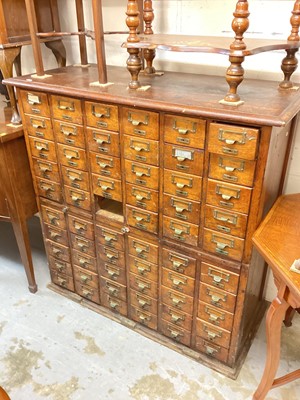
(198, 17)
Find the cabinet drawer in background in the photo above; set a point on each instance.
(143, 268)
(180, 230)
(225, 221)
(61, 267)
(78, 198)
(56, 235)
(85, 277)
(105, 165)
(182, 185)
(49, 190)
(219, 277)
(75, 178)
(183, 209)
(179, 282)
(179, 263)
(183, 159)
(54, 217)
(144, 198)
(176, 333)
(103, 142)
(178, 301)
(110, 238)
(141, 123)
(113, 303)
(143, 302)
(111, 256)
(88, 292)
(142, 219)
(213, 333)
(82, 244)
(215, 316)
(39, 126)
(223, 245)
(58, 251)
(184, 131)
(107, 187)
(142, 285)
(62, 280)
(35, 103)
(177, 317)
(141, 174)
(142, 150)
(81, 227)
(113, 289)
(84, 261)
(43, 149)
(46, 169)
(72, 157)
(144, 250)
(112, 272)
(69, 134)
(66, 109)
(143, 317)
(211, 349)
(217, 298)
(100, 115)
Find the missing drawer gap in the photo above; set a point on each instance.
(108, 208)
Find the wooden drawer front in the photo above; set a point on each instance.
(185, 131)
(143, 302)
(43, 149)
(179, 263)
(112, 272)
(142, 150)
(141, 174)
(224, 245)
(81, 227)
(179, 230)
(46, 170)
(183, 159)
(232, 170)
(85, 277)
(232, 197)
(183, 185)
(177, 300)
(219, 277)
(62, 280)
(144, 250)
(140, 123)
(66, 109)
(105, 165)
(39, 127)
(101, 115)
(109, 237)
(103, 142)
(84, 261)
(143, 317)
(75, 178)
(182, 283)
(82, 244)
(183, 209)
(142, 219)
(49, 190)
(35, 103)
(215, 316)
(56, 235)
(69, 134)
(113, 289)
(107, 187)
(53, 217)
(72, 157)
(58, 251)
(78, 198)
(213, 333)
(177, 317)
(142, 197)
(143, 268)
(233, 140)
(61, 267)
(176, 333)
(111, 256)
(225, 221)
(113, 304)
(217, 298)
(142, 285)
(89, 292)
(211, 349)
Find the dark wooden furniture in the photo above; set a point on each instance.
(149, 200)
(277, 240)
(14, 33)
(17, 199)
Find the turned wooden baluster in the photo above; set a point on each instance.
(290, 62)
(235, 72)
(81, 28)
(134, 62)
(99, 40)
(148, 17)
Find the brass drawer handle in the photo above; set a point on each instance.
(176, 300)
(183, 131)
(69, 155)
(61, 281)
(83, 246)
(105, 114)
(176, 318)
(66, 130)
(178, 262)
(180, 182)
(214, 317)
(140, 194)
(212, 334)
(85, 278)
(142, 171)
(105, 185)
(111, 256)
(175, 334)
(41, 146)
(68, 106)
(142, 286)
(113, 273)
(139, 146)
(218, 277)
(142, 267)
(46, 187)
(79, 227)
(73, 176)
(44, 168)
(56, 251)
(55, 236)
(229, 168)
(53, 219)
(136, 122)
(142, 302)
(77, 197)
(113, 304)
(60, 267)
(37, 124)
(211, 350)
(216, 298)
(231, 140)
(99, 140)
(113, 290)
(223, 217)
(139, 216)
(33, 99)
(87, 294)
(109, 238)
(83, 262)
(228, 193)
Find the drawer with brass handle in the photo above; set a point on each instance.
(100, 115)
(86, 277)
(143, 268)
(213, 333)
(231, 140)
(143, 302)
(48, 189)
(185, 131)
(143, 317)
(141, 174)
(43, 149)
(228, 196)
(141, 123)
(75, 178)
(144, 198)
(109, 237)
(182, 283)
(181, 231)
(72, 157)
(183, 159)
(223, 245)
(56, 235)
(142, 219)
(81, 227)
(53, 216)
(179, 263)
(211, 349)
(142, 285)
(61, 267)
(233, 170)
(183, 209)
(39, 126)
(177, 317)
(142, 150)
(177, 300)
(111, 256)
(114, 304)
(224, 221)
(176, 333)
(105, 165)
(88, 292)
(46, 169)
(113, 272)
(144, 250)
(63, 280)
(35, 103)
(107, 187)
(58, 251)
(215, 316)
(82, 244)
(182, 185)
(113, 289)
(217, 298)
(66, 109)
(103, 142)
(69, 134)
(84, 261)
(78, 198)
(219, 277)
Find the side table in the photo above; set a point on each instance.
(278, 240)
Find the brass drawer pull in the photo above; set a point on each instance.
(216, 297)
(44, 168)
(55, 236)
(46, 187)
(139, 146)
(229, 168)
(223, 217)
(176, 318)
(214, 317)
(211, 350)
(60, 267)
(83, 262)
(142, 302)
(113, 304)
(176, 300)
(142, 286)
(41, 146)
(77, 197)
(181, 182)
(37, 123)
(140, 217)
(142, 267)
(66, 130)
(101, 140)
(177, 283)
(111, 256)
(62, 281)
(113, 273)
(181, 206)
(178, 262)
(68, 106)
(140, 248)
(108, 236)
(114, 291)
(79, 227)
(87, 294)
(53, 219)
(183, 131)
(33, 99)
(182, 154)
(73, 176)
(85, 278)
(211, 333)
(56, 251)
(228, 193)
(242, 136)
(104, 164)
(105, 185)
(136, 122)
(71, 154)
(82, 244)
(142, 171)
(175, 334)
(105, 114)
(221, 245)
(218, 277)
(140, 194)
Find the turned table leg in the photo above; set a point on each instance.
(134, 62)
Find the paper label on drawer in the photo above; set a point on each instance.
(183, 153)
(296, 266)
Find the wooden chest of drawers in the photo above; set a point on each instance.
(149, 200)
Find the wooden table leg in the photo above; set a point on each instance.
(275, 316)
